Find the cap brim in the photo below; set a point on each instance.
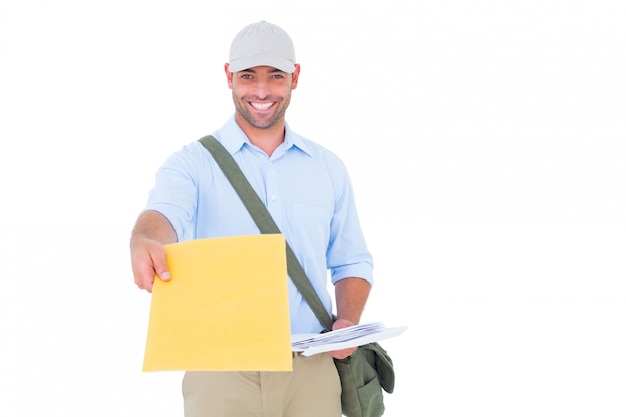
(278, 63)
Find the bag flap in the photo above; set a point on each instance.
(384, 366)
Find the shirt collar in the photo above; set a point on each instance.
(233, 138)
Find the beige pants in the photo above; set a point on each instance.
(311, 390)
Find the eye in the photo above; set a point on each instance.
(278, 76)
(246, 76)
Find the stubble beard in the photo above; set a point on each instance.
(241, 105)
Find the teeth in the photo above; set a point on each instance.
(261, 106)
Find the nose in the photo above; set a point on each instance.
(262, 89)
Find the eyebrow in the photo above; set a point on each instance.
(272, 71)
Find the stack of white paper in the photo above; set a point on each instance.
(310, 344)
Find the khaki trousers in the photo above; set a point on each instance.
(311, 390)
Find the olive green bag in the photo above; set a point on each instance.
(362, 376)
(369, 369)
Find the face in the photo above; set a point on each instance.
(262, 95)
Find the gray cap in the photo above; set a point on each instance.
(261, 44)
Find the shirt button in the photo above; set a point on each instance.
(273, 197)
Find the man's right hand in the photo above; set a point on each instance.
(147, 254)
(148, 261)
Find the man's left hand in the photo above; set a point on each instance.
(342, 353)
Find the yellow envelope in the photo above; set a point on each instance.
(224, 309)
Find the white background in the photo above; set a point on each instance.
(486, 141)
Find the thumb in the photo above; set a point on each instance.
(164, 275)
(160, 268)
(342, 323)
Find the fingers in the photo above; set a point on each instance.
(343, 353)
(148, 261)
(145, 279)
(148, 283)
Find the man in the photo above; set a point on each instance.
(308, 192)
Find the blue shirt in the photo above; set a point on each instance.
(305, 187)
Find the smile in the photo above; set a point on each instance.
(262, 106)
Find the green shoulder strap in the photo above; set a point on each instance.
(266, 224)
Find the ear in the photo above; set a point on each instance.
(229, 76)
(295, 76)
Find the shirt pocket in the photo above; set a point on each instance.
(312, 223)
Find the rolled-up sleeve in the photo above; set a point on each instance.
(175, 192)
(348, 255)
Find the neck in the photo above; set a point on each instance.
(267, 139)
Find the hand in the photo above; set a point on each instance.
(148, 260)
(342, 353)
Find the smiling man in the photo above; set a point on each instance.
(308, 192)
(261, 95)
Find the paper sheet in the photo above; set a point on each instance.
(224, 309)
(361, 334)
